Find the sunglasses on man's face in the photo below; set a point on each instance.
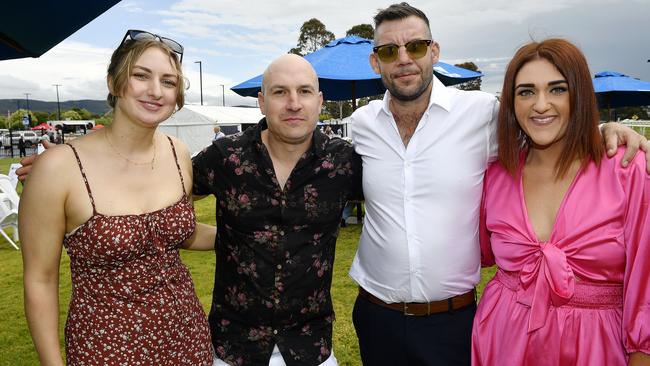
(138, 35)
(415, 49)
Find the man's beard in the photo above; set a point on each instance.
(407, 97)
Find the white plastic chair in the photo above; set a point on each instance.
(9, 201)
(8, 188)
(8, 218)
(13, 177)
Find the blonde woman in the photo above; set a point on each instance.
(118, 201)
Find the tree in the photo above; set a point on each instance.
(41, 117)
(334, 108)
(472, 84)
(313, 36)
(16, 119)
(83, 113)
(106, 121)
(71, 115)
(361, 30)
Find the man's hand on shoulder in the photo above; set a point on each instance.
(27, 162)
(616, 134)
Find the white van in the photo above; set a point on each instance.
(30, 137)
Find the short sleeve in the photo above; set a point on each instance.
(636, 302)
(203, 170)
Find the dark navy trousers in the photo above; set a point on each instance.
(388, 337)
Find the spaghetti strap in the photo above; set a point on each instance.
(180, 174)
(83, 174)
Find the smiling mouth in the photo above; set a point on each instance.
(151, 106)
(293, 119)
(542, 120)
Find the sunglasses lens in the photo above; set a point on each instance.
(417, 49)
(175, 46)
(387, 53)
(138, 35)
(141, 36)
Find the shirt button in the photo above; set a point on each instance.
(284, 203)
(277, 301)
(275, 331)
(279, 266)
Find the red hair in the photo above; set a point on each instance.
(583, 139)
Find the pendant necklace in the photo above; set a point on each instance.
(136, 163)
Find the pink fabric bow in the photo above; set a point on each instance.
(545, 278)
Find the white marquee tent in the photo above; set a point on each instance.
(194, 124)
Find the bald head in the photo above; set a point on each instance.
(291, 102)
(289, 64)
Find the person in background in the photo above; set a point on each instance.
(118, 201)
(218, 134)
(21, 147)
(571, 239)
(328, 132)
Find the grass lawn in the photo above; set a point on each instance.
(15, 342)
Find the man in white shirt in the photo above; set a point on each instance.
(218, 134)
(425, 149)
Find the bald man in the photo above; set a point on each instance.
(281, 188)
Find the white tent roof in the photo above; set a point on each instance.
(194, 124)
(187, 117)
(228, 114)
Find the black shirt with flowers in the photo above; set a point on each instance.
(275, 247)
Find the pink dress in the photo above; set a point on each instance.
(580, 298)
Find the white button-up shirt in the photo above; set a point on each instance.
(420, 239)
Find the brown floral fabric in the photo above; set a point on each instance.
(275, 247)
(133, 300)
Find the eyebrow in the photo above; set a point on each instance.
(149, 71)
(303, 86)
(551, 83)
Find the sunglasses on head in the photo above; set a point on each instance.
(415, 49)
(138, 35)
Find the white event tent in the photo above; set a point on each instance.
(194, 124)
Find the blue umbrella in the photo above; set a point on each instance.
(452, 75)
(344, 72)
(614, 90)
(29, 28)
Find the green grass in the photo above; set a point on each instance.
(15, 342)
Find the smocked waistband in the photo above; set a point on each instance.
(586, 294)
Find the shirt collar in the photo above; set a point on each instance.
(440, 96)
(318, 143)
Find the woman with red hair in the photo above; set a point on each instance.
(568, 229)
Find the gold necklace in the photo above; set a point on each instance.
(137, 163)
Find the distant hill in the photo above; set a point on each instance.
(94, 106)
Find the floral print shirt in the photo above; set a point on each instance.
(275, 247)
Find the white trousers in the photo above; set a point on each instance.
(277, 360)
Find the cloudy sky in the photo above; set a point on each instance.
(235, 39)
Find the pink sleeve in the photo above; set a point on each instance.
(636, 301)
(487, 256)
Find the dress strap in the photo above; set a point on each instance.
(180, 174)
(83, 175)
